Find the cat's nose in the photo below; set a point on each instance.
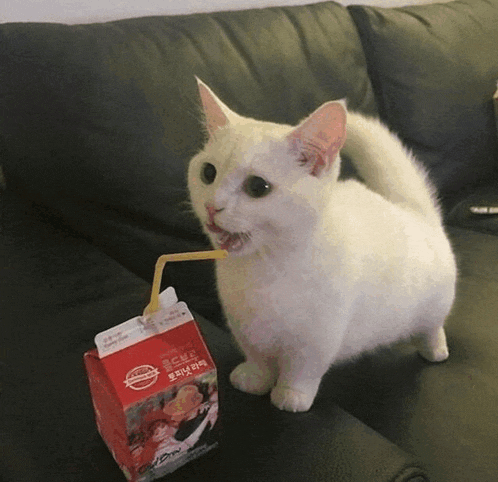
(212, 211)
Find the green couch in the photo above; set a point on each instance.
(97, 125)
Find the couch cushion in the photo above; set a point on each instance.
(98, 121)
(445, 413)
(56, 293)
(434, 70)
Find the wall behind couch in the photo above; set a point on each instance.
(78, 11)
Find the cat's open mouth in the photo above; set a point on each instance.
(232, 242)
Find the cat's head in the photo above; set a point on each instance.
(259, 185)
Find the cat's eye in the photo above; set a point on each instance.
(208, 173)
(256, 187)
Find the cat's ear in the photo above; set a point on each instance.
(320, 137)
(216, 112)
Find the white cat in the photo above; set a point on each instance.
(319, 270)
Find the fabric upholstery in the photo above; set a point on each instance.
(102, 119)
(56, 293)
(434, 70)
(97, 124)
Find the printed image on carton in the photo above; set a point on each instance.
(173, 429)
(154, 390)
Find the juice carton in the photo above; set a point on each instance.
(154, 386)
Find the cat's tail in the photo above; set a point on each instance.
(387, 167)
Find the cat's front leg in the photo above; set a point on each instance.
(298, 382)
(254, 377)
(258, 374)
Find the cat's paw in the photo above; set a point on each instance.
(437, 355)
(291, 400)
(251, 378)
(432, 346)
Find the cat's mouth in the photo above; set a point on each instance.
(232, 242)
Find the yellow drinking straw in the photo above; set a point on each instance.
(166, 258)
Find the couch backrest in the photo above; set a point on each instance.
(98, 122)
(434, 70)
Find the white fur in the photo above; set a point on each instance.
(333, 268)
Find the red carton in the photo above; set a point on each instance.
(154, 390)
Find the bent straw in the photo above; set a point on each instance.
(166, 258)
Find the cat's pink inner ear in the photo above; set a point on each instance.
(321, 136)
(213, 110)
